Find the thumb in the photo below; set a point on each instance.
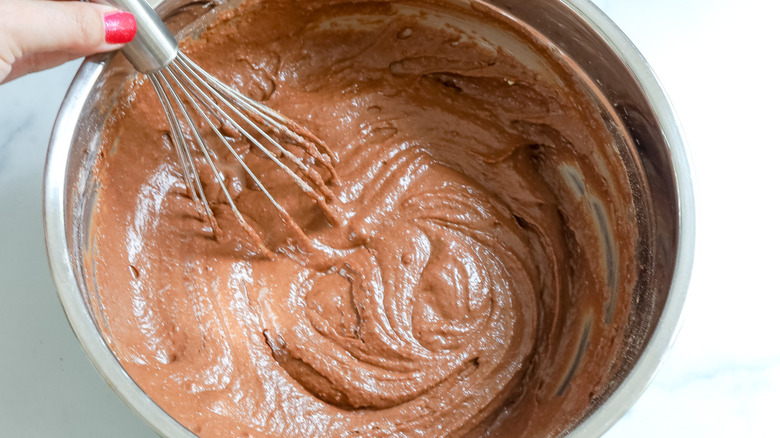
(38, 30)
(75, 27)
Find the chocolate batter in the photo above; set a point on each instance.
(478, 274)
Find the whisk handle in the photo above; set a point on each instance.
(154, 46)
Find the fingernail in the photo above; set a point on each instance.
(120, 27)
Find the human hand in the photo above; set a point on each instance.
(40, 34)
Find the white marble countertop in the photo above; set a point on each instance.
(721, 378)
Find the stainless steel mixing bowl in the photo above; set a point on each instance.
(608, 61)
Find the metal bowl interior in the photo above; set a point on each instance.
(618, 76)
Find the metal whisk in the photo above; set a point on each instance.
(187, 91)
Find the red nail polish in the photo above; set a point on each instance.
(120, 27)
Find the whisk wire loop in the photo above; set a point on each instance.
(186, 90)
(209, 102)
(186, 161)
(199, 100)
(270, 117)
(323, 194)
(201, 144)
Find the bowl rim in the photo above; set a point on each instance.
(65, 281)
(596, 424)
(671, 319)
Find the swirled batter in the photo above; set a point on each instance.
(478, 281)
